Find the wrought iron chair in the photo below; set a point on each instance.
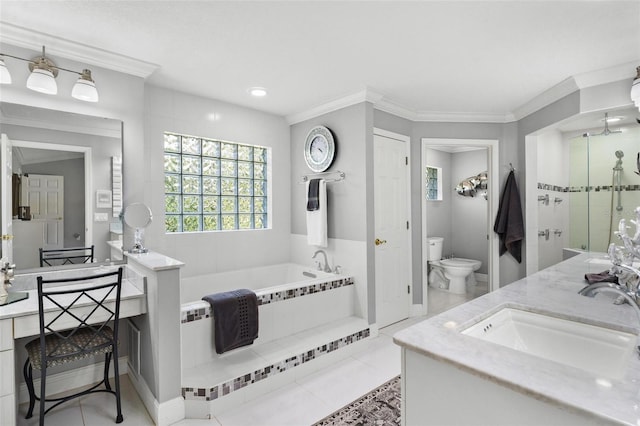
(77, 328)
(66, 256)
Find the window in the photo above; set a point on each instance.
(213, 185)
(433, 183)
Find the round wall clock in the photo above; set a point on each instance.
(319, 149)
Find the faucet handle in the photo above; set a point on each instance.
(337, 269)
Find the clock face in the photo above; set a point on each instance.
(319, 149)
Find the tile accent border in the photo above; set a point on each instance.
(225, 388)
(595, 188)
(201, 312)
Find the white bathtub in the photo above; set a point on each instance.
(264, 279)
(303, 315)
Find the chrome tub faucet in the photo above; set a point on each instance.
(326, 267)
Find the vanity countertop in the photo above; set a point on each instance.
(553, 291)
(29, 306)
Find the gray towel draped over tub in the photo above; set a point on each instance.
(235, 318)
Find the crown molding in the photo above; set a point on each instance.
(34, 40)
(555, 93)
(366, 95)
(549, 96)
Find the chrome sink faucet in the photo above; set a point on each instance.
(605, 287)
(326, 267)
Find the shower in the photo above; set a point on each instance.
(616, 185)
(617, 178)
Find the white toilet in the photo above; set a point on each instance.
(454, 274)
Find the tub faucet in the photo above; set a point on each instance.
(326, 267)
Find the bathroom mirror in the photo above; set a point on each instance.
(79, 150)
(138, 216)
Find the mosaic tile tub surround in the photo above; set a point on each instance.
(200, 310)
(227, 387)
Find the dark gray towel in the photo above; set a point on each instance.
(509, 224)
(235, 318)
(313, 198)
(602, 277)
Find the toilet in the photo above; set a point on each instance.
(455, 274)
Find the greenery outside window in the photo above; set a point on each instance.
(433, 183)
(214, 185)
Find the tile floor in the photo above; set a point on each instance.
(302, 402)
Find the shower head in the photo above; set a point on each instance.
(606, 131)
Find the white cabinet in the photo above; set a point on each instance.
(7, 375)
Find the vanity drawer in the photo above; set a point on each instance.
(8, 410)
(7, 379)
(6, 334)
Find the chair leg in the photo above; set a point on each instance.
(28, 379)
(107, 361)
(43, 380)
(116, 373)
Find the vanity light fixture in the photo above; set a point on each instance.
(43, 77)
(635, 89)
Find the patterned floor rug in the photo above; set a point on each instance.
(381, 407)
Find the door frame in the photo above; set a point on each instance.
(493, 197)
(407, 141)
(88, 178)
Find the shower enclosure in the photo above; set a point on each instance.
(603, 185)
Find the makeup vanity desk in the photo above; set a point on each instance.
(20, 319)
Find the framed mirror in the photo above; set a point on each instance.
(66, 184)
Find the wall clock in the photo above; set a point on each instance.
(319, 149)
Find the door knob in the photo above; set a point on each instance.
(379, 241)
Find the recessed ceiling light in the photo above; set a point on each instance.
(258, 92)
(613, 119)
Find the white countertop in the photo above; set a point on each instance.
(154, 261)
(553, 291)
(29, 306)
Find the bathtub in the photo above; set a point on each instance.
(303, 315)
(262, 280)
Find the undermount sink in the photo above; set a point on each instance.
(599, 350)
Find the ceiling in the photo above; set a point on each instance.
(480, 58)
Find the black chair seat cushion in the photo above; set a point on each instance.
(83, 344)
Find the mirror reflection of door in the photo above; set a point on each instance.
(6, 212)
(41, 174)
(96, 141)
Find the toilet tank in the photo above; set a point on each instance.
(434, 248)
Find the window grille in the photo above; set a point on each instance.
(214, 185)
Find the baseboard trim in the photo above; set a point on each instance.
(482, 277)
(417, 310)
(164, 414)
(72, 379)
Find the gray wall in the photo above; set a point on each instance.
(469, 215)
(205, 253)
(349, 202)
(438, 213)
(346, 216)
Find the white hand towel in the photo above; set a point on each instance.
(317, 219)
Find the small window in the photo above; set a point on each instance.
(214, 185)
(433, 183)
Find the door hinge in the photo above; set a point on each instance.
(408, 289)
(406, 161)
(407, 224)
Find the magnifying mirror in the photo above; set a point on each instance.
(138, 216)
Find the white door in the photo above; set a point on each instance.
(392, 267)
(44, 194)
(6, 211)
